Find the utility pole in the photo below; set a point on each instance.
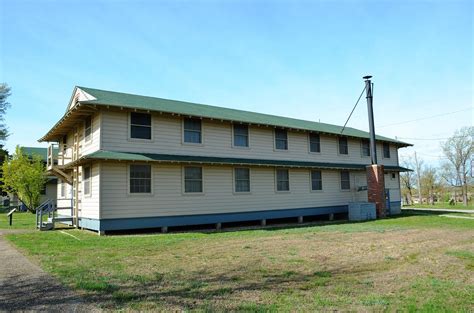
(369, 97)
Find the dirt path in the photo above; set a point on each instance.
(26, 287)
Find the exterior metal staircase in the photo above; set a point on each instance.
(48, 209)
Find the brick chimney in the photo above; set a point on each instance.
(376, 188)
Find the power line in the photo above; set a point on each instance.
(425, 118)
(353, 109)
(407, 138)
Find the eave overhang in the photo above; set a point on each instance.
(102, 155)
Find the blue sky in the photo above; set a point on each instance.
(301, 59)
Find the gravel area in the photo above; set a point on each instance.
(24, 286)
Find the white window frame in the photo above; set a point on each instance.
(311, 180)
(87, 181)
(140, 194)
(183, 131)
(62, 189)
(183, 181)
(130, 128)
(234, 180)
(287, 140)
(248, 137)
(276, 181)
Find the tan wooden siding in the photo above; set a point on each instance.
(217, 141)
(85, 147)
(89, 204)
(168, 199)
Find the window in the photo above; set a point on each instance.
(88, 128)
(365, 147)
(140, 178)
(140, 125)
(192, 130)
(345, 180)
(192, 179)
(281, 139)
(393, 176)
(87, 180)
(314, 143)
(386, 150)
(343, 148)
(316, 180)
(241, 135)
(283, 180)
(242, 179)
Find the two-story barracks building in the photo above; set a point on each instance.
(128, 162)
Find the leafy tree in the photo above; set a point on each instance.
(25, 177)
(418, 171)
(5, 92)
(459, 150)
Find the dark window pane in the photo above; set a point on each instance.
(314, 143)
(192, 136)
(386, 150)
(140, 178)
(87, 180)
(283, 181)
(365, 148)
(140, 119)
(316, 180)
(241, 136)
(193, 179)
(242, 180)
(140, 132)
(345, 180)
(343, 149)
(281, 139)
(88, 128)
(192, 124)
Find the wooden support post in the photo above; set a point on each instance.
(300, 219)
(263, 222)
(164, 229)
(331, 217)
(218, 226)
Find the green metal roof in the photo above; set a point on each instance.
(42, 152)
(169, 158)
(132, 101)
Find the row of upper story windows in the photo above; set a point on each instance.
(141, 128)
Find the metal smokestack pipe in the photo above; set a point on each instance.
(368, 91)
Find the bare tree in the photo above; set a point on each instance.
(429, 181)
(407, 181)
(418, 170)
(459, 149)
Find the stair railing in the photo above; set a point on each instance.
(47, 207)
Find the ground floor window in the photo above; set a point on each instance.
(345, 180)
(283, 180)
(193, 179)
(316, 180)
(242, 179)
(140, 178)
(87, 180)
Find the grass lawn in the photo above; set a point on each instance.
(442, 205)
(21, 220)
(410, 263)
